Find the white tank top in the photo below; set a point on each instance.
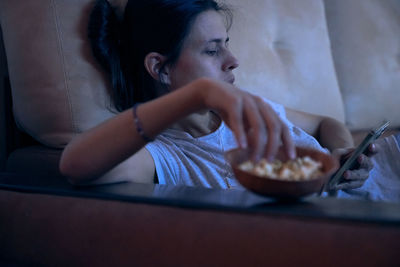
(181, 159)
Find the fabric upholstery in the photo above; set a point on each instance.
(365, 37)
(2, 106)
(284, 51)
(57, 88)
(35, 159)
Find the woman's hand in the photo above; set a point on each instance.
(355, 177)
(252, 120)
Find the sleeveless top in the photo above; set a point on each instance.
(181, 159)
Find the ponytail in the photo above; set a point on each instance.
(104, 33)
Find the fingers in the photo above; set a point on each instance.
(274, 129)
(356, 178)
(372, 150)
(363, 162)
(265, 133)
(254, 123)
(257, 133)
(349, 185)
(288, 143)
(361, 174)
(237, 127)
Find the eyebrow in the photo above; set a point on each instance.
(218, 40)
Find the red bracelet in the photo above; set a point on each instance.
(138, 125)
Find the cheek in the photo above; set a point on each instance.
(187, 68)
(190, 68)
(184, 72)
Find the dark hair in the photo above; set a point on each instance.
(147, 26)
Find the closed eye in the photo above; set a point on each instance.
(211, 52)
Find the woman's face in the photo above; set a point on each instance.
(204, 53)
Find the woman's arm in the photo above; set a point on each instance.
(334, 135)
(330, 133)
(97, 151)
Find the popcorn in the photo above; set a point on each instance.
(299, 169)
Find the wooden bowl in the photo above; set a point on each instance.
(279, 188)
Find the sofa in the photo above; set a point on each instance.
(336, 58)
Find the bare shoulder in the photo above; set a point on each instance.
(138, 168)
(306, 121)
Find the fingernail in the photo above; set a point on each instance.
(373, 148)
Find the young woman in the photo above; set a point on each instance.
(173, 58)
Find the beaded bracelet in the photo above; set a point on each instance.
(138, 125)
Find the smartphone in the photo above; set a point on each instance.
(350, 162)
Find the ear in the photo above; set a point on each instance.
(153, 63)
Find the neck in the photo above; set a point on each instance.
(199, 124)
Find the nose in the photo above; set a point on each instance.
(231, 62)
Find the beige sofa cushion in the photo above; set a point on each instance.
(284, 53)
(57, 91)
(365, 36)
